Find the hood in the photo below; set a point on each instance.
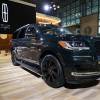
(76, 38)
(70, 37)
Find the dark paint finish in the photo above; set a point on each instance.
(34, 45)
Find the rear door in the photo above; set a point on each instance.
(20, 41)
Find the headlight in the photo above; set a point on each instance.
(73, 45)
(65, 45)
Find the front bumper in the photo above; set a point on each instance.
(85, 74)
(82, 69)
(80, 66)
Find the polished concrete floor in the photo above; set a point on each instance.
(18, 84)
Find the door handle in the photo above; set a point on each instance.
(24, 47)
(33, 43)
(32, 47)
(19, 50)
(37, 44)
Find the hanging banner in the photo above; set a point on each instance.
(14, 14)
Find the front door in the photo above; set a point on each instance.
(33, 45)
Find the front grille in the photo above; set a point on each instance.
(97, 47)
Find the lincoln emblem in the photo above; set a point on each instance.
(4, 12)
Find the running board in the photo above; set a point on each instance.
(35, 69)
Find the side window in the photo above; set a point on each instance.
(15, 35)
(21, 33)
(31, 32)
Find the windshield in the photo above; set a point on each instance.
(54, 30)
(57, 31)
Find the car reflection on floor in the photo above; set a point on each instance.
(17, 83)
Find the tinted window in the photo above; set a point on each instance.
(15, 34)
(21, 33)
(54, 30)
(31, 32)
(57, 31)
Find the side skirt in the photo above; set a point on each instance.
(31, 67)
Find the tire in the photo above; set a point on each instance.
(52, 72)
(14, 59)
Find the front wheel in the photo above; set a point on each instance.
(52, 71)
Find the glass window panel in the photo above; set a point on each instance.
(72, 22)
(77, 15)
(64, 9)
(68, 23)
(64, 24)
(94, 3)
(68, 7)
(77, 3)
(77, 21)
(95, 9)
(77, 9)
(68, 17)
(99, 15)
(65, 14)
(73, 5)
(63, 19)
(88, 4)
(73, 16)
(72, 11)
(99, 30)
(88, 11)
(99, 22)
(68, 13)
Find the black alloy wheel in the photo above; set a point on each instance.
(52, 71)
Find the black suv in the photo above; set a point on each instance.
(56, 54)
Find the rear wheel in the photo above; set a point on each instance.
(14, 59)
(52, 71)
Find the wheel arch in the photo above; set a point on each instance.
(54, 53)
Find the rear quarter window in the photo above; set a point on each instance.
(19, 34)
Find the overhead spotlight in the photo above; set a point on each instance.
(55, 8)
(54, 5)
(58, 7)
(46, 7)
